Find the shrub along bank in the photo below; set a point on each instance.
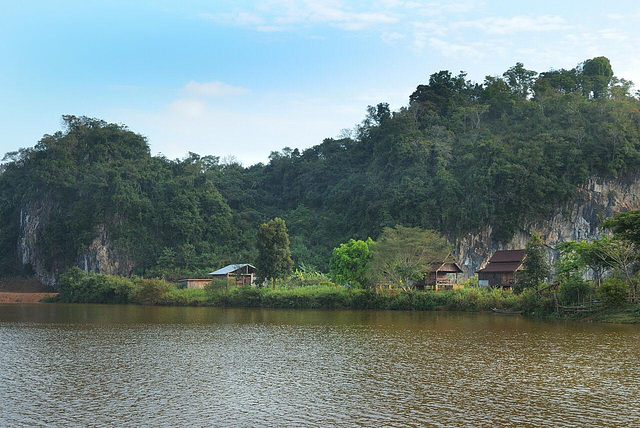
(77, 286)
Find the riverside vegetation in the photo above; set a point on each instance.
(317, 292)
(384, 274)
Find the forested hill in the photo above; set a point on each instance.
(460, 156)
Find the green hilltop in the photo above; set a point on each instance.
(460, 156)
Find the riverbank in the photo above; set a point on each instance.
(6, 297)
(81, 287)
(23, 290)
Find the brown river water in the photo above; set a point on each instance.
(94, 365)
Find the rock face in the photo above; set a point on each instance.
(99, 256)
(580, 219)
(102, 256)
(33, 219)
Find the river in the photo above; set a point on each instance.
(90, 365)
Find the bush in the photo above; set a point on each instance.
(82, 287)
(534, 303)
(574, 290)
(150, 291)
(78, 286)
(472, 281)
(613, 291)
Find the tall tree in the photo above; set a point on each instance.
(519, 79)
(405, 255)
(349, 261)
(536, 266)
(274, 255)
(597, 74)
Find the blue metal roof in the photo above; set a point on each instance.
(230, 268)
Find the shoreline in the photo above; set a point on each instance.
(629, 315)
(7, 297)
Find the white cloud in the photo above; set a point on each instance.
(431, 8)
(392, 37)
(276, 15)
(516, 24)
(242, 18)
(615, 16)
(214, 89)
(457, 51)
(187, 107)
(334, 13)
(612, 35)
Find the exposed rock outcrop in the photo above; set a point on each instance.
(33, 219)
(100, 255)
(580, 219)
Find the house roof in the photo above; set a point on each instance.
(230, 268)
(502, 256)
(501, 267)
(446, 267)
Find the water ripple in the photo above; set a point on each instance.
(104, 365)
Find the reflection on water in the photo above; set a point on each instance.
(95, 364)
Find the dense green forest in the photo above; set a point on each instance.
(459, 156)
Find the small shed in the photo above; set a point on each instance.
(501, 269)
(194, 282)
(243, 274)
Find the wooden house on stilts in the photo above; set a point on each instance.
(442, 275)
(502, 268)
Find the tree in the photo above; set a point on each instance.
(349, 261)
(575, 256)
(621, 256)
(520, 80)
(404, 255)
(597, 74)
(625, 255)
(626, 226)
(441, 91)
(536, 266)
(274, 255)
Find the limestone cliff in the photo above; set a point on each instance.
(99, 256)
(580, 219)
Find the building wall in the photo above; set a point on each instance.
(239, 280)
(497, 279)
(197, 283)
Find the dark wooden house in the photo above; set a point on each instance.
(241, 274)
(501, 269)
(442, 276)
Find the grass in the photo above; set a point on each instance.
(628, 314)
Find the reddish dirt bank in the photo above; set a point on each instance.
(23, 297)
(23, 290)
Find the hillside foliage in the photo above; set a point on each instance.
(459, 156)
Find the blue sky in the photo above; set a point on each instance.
(243, 78)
